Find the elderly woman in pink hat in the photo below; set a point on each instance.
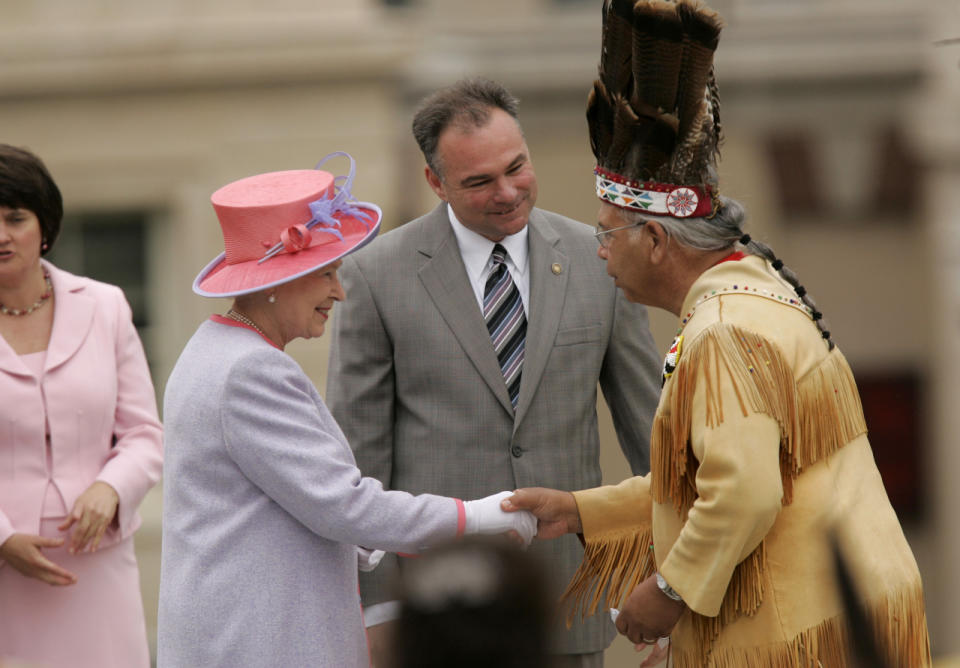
(264, 507)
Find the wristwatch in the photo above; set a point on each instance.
(667, 589)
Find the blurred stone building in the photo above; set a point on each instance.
(842, 138)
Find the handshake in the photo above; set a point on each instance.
(485, 516)
(482, 516)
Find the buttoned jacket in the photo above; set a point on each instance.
(96, 393)
(416, 386)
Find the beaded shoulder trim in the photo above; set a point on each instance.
(794, 301)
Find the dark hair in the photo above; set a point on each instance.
(474, 603)
(469, 101)
(25, 183)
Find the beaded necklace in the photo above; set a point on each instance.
(47, 293)
(239, 317)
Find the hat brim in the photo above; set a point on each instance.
(219, 279)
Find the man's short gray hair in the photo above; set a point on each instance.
(468, 102)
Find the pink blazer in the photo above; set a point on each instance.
(100, 404)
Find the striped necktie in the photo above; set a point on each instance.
(506, 322)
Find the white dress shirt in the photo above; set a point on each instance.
(475, 251)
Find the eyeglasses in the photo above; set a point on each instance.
(604, 240)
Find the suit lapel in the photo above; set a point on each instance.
(72, 317)
(10, 361)
(547, 290)
(445, 280)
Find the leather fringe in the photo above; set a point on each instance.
(614, 563)
(829, 409)
(899, 625)
(900, 628)
(744, 596)
(763, 383)
(817, 414)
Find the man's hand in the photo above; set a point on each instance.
(659, 653)
(93, 512)
(648, 614)
(556, 512)
(23, 552)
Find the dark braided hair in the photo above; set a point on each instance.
(725, 230)
(754, 247)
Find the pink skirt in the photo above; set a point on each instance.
(97, 622)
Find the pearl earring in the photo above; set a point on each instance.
(272, 299)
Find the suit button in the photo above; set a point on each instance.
(516, 451)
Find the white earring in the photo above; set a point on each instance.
(272, 299)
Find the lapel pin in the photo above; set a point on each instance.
(556, 268)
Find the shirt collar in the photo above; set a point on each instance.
(475, 248)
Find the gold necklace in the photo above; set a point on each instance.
(47, 293)
(239, 317)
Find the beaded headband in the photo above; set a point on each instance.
(658, 199)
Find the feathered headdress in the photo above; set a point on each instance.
(654, 113)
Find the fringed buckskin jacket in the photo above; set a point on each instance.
(759, 452)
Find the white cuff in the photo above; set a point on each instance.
(367, 560)
(380, 613)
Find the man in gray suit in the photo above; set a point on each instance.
(467, 354)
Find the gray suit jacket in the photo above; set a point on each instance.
(415, 385)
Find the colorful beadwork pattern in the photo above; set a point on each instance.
(662, 199)
(670, 361)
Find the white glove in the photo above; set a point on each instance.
(485, 516)
(367, 560)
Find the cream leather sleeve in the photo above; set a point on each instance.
(739, 493)
(622, 507)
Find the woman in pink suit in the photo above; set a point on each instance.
(80, 445)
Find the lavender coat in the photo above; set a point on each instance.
(263, 508)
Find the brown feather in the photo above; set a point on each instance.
(599, 120)
(701, 30)
(690, 154)
(624, 122)
(716, 130)
(653, 142)
(657, 53)
(615, 53)
(701, 24)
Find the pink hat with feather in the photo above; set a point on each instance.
(280, 226)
